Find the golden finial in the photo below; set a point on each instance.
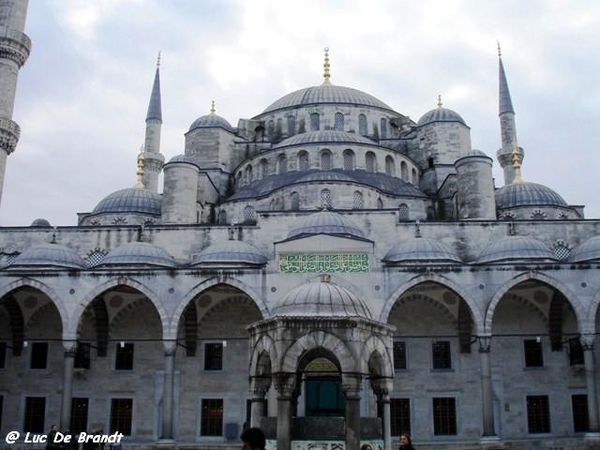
(158, 60)
(326, 74)
(212, 107)
(516, 163)
(439, 101)
(499, 49)
(140, 169)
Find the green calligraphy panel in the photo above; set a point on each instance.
(308, 263)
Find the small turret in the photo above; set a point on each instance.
(475, 187)
(180, 191)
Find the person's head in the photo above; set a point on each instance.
(54, 427)
(253, 439)
(405, 439)
(366, 447)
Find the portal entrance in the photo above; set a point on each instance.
(323, 388)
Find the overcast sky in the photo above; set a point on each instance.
(83, 94)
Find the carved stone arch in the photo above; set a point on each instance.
(315, 339)
(264, 346)
(376, 346)
(44, 310)
(430, 301)
(474, 308)
(124, 311)
(581, 313)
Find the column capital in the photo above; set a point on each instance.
(587, 341)
(70, 348)
(259, 385)
(485, 344)
(285, 383)
(170, 347)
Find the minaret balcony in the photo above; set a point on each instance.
(9, 135)
(14, 45)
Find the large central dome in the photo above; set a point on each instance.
(326, 94)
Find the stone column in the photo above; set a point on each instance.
(487, 396)
(587, 341)
(285, 385)
(168, 389)
(383, 407)
(67, 392)
(258, 388)
(352, 390)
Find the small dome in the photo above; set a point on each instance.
(230, 252)
(588, 250)
(138, 253)
(516, 248)
(211, 121)
(182, 159)
(324, 137)
(527, 194)
(326, 222)
(440, 114)
(40, 223)
(49, 255)
(130, 200)
(421, 250)
(321, 299)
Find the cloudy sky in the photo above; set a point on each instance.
(83, 94)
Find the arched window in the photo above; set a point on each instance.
(238, 179)
(303, 160)
(379, 203)
(390, 166)
(370, 162)
(326, 198)
(383, 129)
(281, 164)
(248, 174)
(291, 125)
(271, 128)
(415, 177)
(263, 168)
(357, 200)
(338, 124)
(222, 217)
(362, 124)
(404, 171)
(294, 201)
(325, 160)
(249, 214)
(314, 122)
(348, 159)
(403, 215)
(272, 205)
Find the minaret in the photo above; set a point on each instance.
(14, 51)
(153, 159)
(510, 151)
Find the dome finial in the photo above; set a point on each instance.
(140, 169)
(158, 60)
(326, 74)
(212, 107)
(516, 163)
(439, 100)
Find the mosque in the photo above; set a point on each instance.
(329, 270)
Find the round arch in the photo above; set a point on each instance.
(265, 345)
(375, 346)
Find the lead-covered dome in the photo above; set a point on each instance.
(326, 94)
(130, 200)
(588, 250)
(440, 114)
(230, 252)
(40, 223)
(326, 222)
(211, 120)
(527, 194)
(138, 253)
(516, 248)
(324, 137)
(49, 255)
(321, 299)
(421, 250)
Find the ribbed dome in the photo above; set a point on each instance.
(49, 255)
(516, 248)
(40, 223)
(230, 252)
(138, 253)
(182, 159)
(527, 194)
(326, 94)
(130, 200)
(440, 114)
(588, 250)
(211, 121)
(324, 137)
(321, 299)
(326, 222)
(327, 175)
(421, 250)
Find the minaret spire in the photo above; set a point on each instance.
(510, 155)
(151, 157)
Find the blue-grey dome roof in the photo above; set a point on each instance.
(440, 114)
(321, 299)
(138, 253)
(53, 255)
(130, 200)
(326, 222)
(211, 121)
(421, 250)
(324, 137)
(516, 248)
(230, 252)
(588, 250)
(182, 159)
(527, 194)
(326, 94)
(40, 223)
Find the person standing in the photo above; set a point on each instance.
(253, 439)
(406, 442)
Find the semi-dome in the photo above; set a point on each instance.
(440, 114)
(49, 255)
(321, 299)
(516, 248)
(40, 223)
(211, 120)
(138, 253)
(527, 194)
(230, 252)
(421, 250)
(588, 250)
(324, 137)
(130, 200)
(326, 94)
(326, 222)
